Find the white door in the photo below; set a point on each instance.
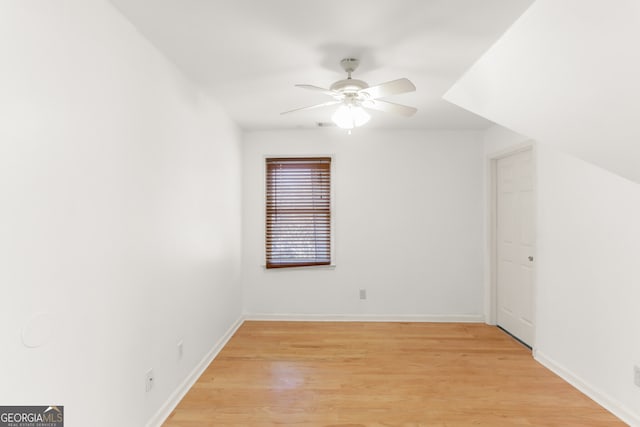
(515, 245)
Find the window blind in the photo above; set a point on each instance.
(298, 223)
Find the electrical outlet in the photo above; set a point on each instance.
(180, 349)
(636, 375)
(363, 294)
(149, 379)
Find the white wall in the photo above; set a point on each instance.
(497, 139)
(588, 322)
(408, 225)
(588, 240)
(565, 74)
(120, 218)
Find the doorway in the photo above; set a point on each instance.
(514, 244)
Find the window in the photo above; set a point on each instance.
(298, 212)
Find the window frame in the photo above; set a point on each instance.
(332, 211)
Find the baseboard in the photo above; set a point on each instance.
(439, 318)
(603, 399)
(175, 398)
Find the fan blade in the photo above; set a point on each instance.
(390, 107)
(393, 87)
(325, 104)
(319, 89)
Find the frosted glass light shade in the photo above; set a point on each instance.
(349, 117)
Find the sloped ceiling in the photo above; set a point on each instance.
(248, 54)
(566, 73)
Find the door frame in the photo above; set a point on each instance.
(491, 267)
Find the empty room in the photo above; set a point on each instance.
(319, 213)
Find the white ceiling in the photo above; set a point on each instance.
(566, 74)
(248, 54)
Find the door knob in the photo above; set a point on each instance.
(530, 258)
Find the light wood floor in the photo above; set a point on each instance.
(381, 374)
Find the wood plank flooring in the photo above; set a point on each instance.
(381, 374)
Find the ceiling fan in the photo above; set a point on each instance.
(354, 96)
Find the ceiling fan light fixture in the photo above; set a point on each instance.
(353, 94)
(350, 116)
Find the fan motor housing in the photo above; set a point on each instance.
(349, 85)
